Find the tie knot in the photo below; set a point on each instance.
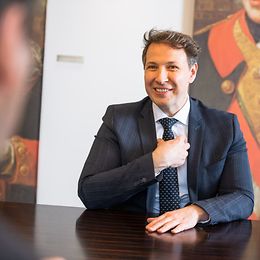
(167, 122)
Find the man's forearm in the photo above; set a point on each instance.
(109, 188)
(228, 207)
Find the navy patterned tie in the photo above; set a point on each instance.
(169, 186)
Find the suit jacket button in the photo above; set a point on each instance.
(228, 87)
(143, 180)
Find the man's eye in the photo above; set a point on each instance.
(172, 68)
(151, 67)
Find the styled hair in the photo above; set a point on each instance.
(175, 40)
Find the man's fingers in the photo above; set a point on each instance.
(181, 227)
(187, 146)
(150, 219)
(168, 226)
(157, 223)
(159, 140)
(182, 138)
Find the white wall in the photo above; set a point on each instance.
(108, 34)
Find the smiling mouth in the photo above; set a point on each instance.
(162, 90)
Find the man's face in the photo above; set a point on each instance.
(14, 68)
(252, 8)
(167, 77)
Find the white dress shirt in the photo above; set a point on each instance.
(179, 128)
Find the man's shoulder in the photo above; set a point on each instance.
(209, 112)
(126, 113)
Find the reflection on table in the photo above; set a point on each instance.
(76, 233)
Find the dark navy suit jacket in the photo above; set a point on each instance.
(119, 168)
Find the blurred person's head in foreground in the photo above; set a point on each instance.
(15, 63)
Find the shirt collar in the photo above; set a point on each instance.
(182, 115)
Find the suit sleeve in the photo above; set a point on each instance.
(235, 198)
(105, 181)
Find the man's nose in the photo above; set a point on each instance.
(162, 76)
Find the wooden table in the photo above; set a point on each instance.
(75, 233)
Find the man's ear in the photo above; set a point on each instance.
(193, 72)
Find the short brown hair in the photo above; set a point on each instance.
(175, 40)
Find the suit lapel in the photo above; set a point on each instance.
(195, 138)
(147, 128)
(148, 138)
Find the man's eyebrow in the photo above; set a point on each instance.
(172, 62)
(167, 63)
(151, 62)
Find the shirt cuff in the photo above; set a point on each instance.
(157, 171)
(203, 222)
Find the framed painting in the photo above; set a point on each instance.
(228, 32)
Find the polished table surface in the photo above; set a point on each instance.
(76, 233)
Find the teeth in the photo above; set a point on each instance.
(163, 90)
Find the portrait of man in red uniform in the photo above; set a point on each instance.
(229, 68)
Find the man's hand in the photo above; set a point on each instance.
(177, 220)
(170, 153)
(188, 237)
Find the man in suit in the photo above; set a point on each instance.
(200, 176)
